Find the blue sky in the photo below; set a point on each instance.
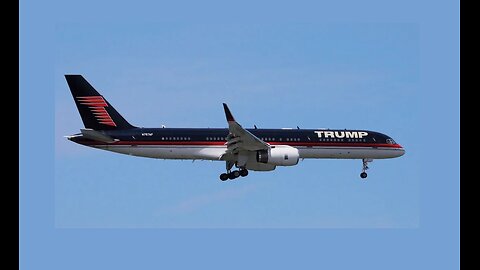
(385, 67)
(311, 75)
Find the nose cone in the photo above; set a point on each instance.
(400, 151)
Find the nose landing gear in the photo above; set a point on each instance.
(365, 161)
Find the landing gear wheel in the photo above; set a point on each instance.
(243, 173)
(234, 174)
(365, 162)
(224, 176)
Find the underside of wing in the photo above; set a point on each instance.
(240, 139)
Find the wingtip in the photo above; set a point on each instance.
(72, 76)
(228, 114)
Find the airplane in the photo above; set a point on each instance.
(247, 149)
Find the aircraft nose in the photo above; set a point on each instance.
(401, 151)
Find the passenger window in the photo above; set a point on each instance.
(286, 157)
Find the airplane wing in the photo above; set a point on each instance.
(240, 139)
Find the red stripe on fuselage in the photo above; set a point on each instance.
(221, 143)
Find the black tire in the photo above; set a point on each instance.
(363, 175)
(223, 176)
(231, 176)
(243, 173)
(235, 174)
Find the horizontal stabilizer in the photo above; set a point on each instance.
(97, 136)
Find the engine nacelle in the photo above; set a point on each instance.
(257, 166)
(280, 155)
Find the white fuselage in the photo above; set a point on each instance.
(213, 152)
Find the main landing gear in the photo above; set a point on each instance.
(233, 174)
(365, 161)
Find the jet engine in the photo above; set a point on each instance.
(280, 155)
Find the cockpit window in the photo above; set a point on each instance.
(390, 141)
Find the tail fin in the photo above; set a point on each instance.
(95, 111)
